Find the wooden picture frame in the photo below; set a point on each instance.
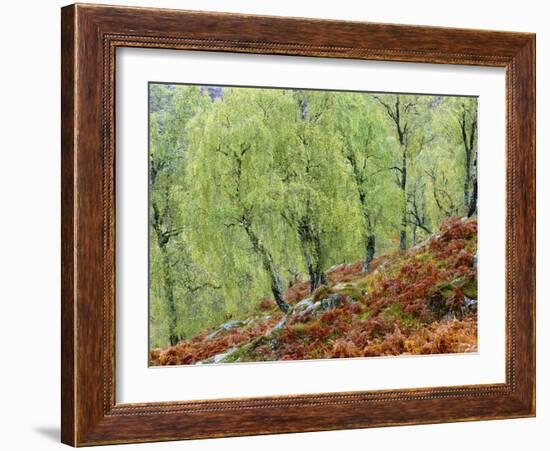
(90, 36)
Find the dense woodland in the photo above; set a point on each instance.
(257, 194)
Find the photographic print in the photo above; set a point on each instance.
(297, 224)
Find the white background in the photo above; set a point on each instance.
(29, 388)
(138, 383)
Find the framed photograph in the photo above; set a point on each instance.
(278, 225)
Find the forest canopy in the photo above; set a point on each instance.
(253, 190)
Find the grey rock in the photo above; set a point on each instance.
(233, 324)
(218, 358)
(279, 325)
(331, 301)
(470, 304)
(315, 306)
(304, 304)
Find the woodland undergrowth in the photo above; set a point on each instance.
(420, 301)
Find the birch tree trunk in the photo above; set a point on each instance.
(473, 198)
(269, 267)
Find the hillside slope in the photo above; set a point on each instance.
(422, 301)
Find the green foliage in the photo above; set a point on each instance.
(414, 306)
(253, 190)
